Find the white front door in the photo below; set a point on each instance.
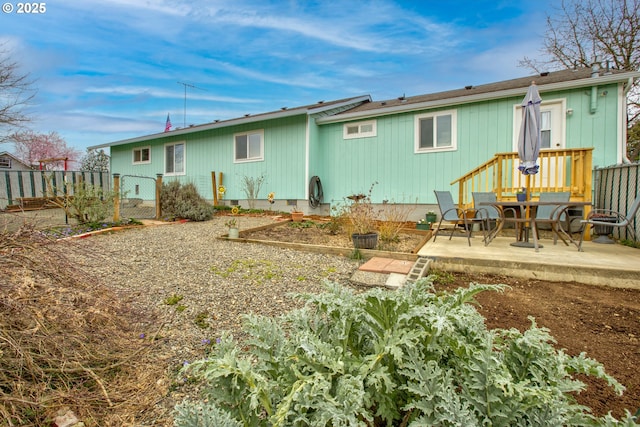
(552, 126)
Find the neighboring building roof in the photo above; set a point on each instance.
(556, 80)
(16, 160)
(319, 108)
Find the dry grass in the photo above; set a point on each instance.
(67, 343)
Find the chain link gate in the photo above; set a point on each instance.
(138, 196)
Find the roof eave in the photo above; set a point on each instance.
(488, 96)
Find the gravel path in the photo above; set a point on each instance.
(218, 280)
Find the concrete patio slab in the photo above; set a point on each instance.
(599, 264)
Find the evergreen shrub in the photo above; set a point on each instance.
(183, 201)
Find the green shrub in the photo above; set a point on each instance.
(183, 201)
(82, 201)
(409, 357)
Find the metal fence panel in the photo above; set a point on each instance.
(15, 185)
(616, 187)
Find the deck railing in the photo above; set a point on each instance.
(560, 170)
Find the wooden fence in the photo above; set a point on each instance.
(19, 188)
(615, 188)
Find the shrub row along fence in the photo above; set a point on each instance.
(616, 187)
(30, 189)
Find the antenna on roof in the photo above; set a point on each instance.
(185, 99)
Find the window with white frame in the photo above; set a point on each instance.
(141, 155)
(174, 159)
(5, 162)
(436, 131)
(359, 130)
(248, 146)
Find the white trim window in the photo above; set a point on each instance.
(174, 159)
(141, 155)
(360, 130)
(436, 131)
(248, 146)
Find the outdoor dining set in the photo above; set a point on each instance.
(552, 210)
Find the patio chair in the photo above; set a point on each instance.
(489, 214)
(450, 212)
(545, 214)
(552, 215)
(596, 218)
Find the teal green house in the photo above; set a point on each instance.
(408, 147)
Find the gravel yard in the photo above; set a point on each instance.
(218, 281)
(183, 286)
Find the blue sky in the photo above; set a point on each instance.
(110, 70)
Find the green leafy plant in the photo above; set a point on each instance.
(356, 255)
(390, 358)
(231, 223)
(173, 299)
(183, 201)
(82, 201)
(201, 320)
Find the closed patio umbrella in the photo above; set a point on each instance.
(529, 141)
(530, 132)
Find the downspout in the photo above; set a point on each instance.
(595, 73)
(594, 99)
(627, 88)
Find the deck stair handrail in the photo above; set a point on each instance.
(560, 170)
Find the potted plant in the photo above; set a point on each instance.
(232, 225)
(296, 214)
(521, 194)
(431, 217)
(602, 230)
(361, 218)
(423, 225)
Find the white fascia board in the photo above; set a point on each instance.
(606, 79)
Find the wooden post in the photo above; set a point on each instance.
(158, 196)
(116, 202)
(215, 188)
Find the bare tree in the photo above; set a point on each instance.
(33, 147)
(583, 31)
(15, 94)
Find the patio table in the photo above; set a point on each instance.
(527, 210)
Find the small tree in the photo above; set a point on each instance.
(82, 201)
(32, 147)
(95, 161)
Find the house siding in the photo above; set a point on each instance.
(483, 128)
(212, 151)
(296, 147)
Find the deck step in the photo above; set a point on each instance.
(419, 269)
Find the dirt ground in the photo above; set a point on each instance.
(600, 321)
